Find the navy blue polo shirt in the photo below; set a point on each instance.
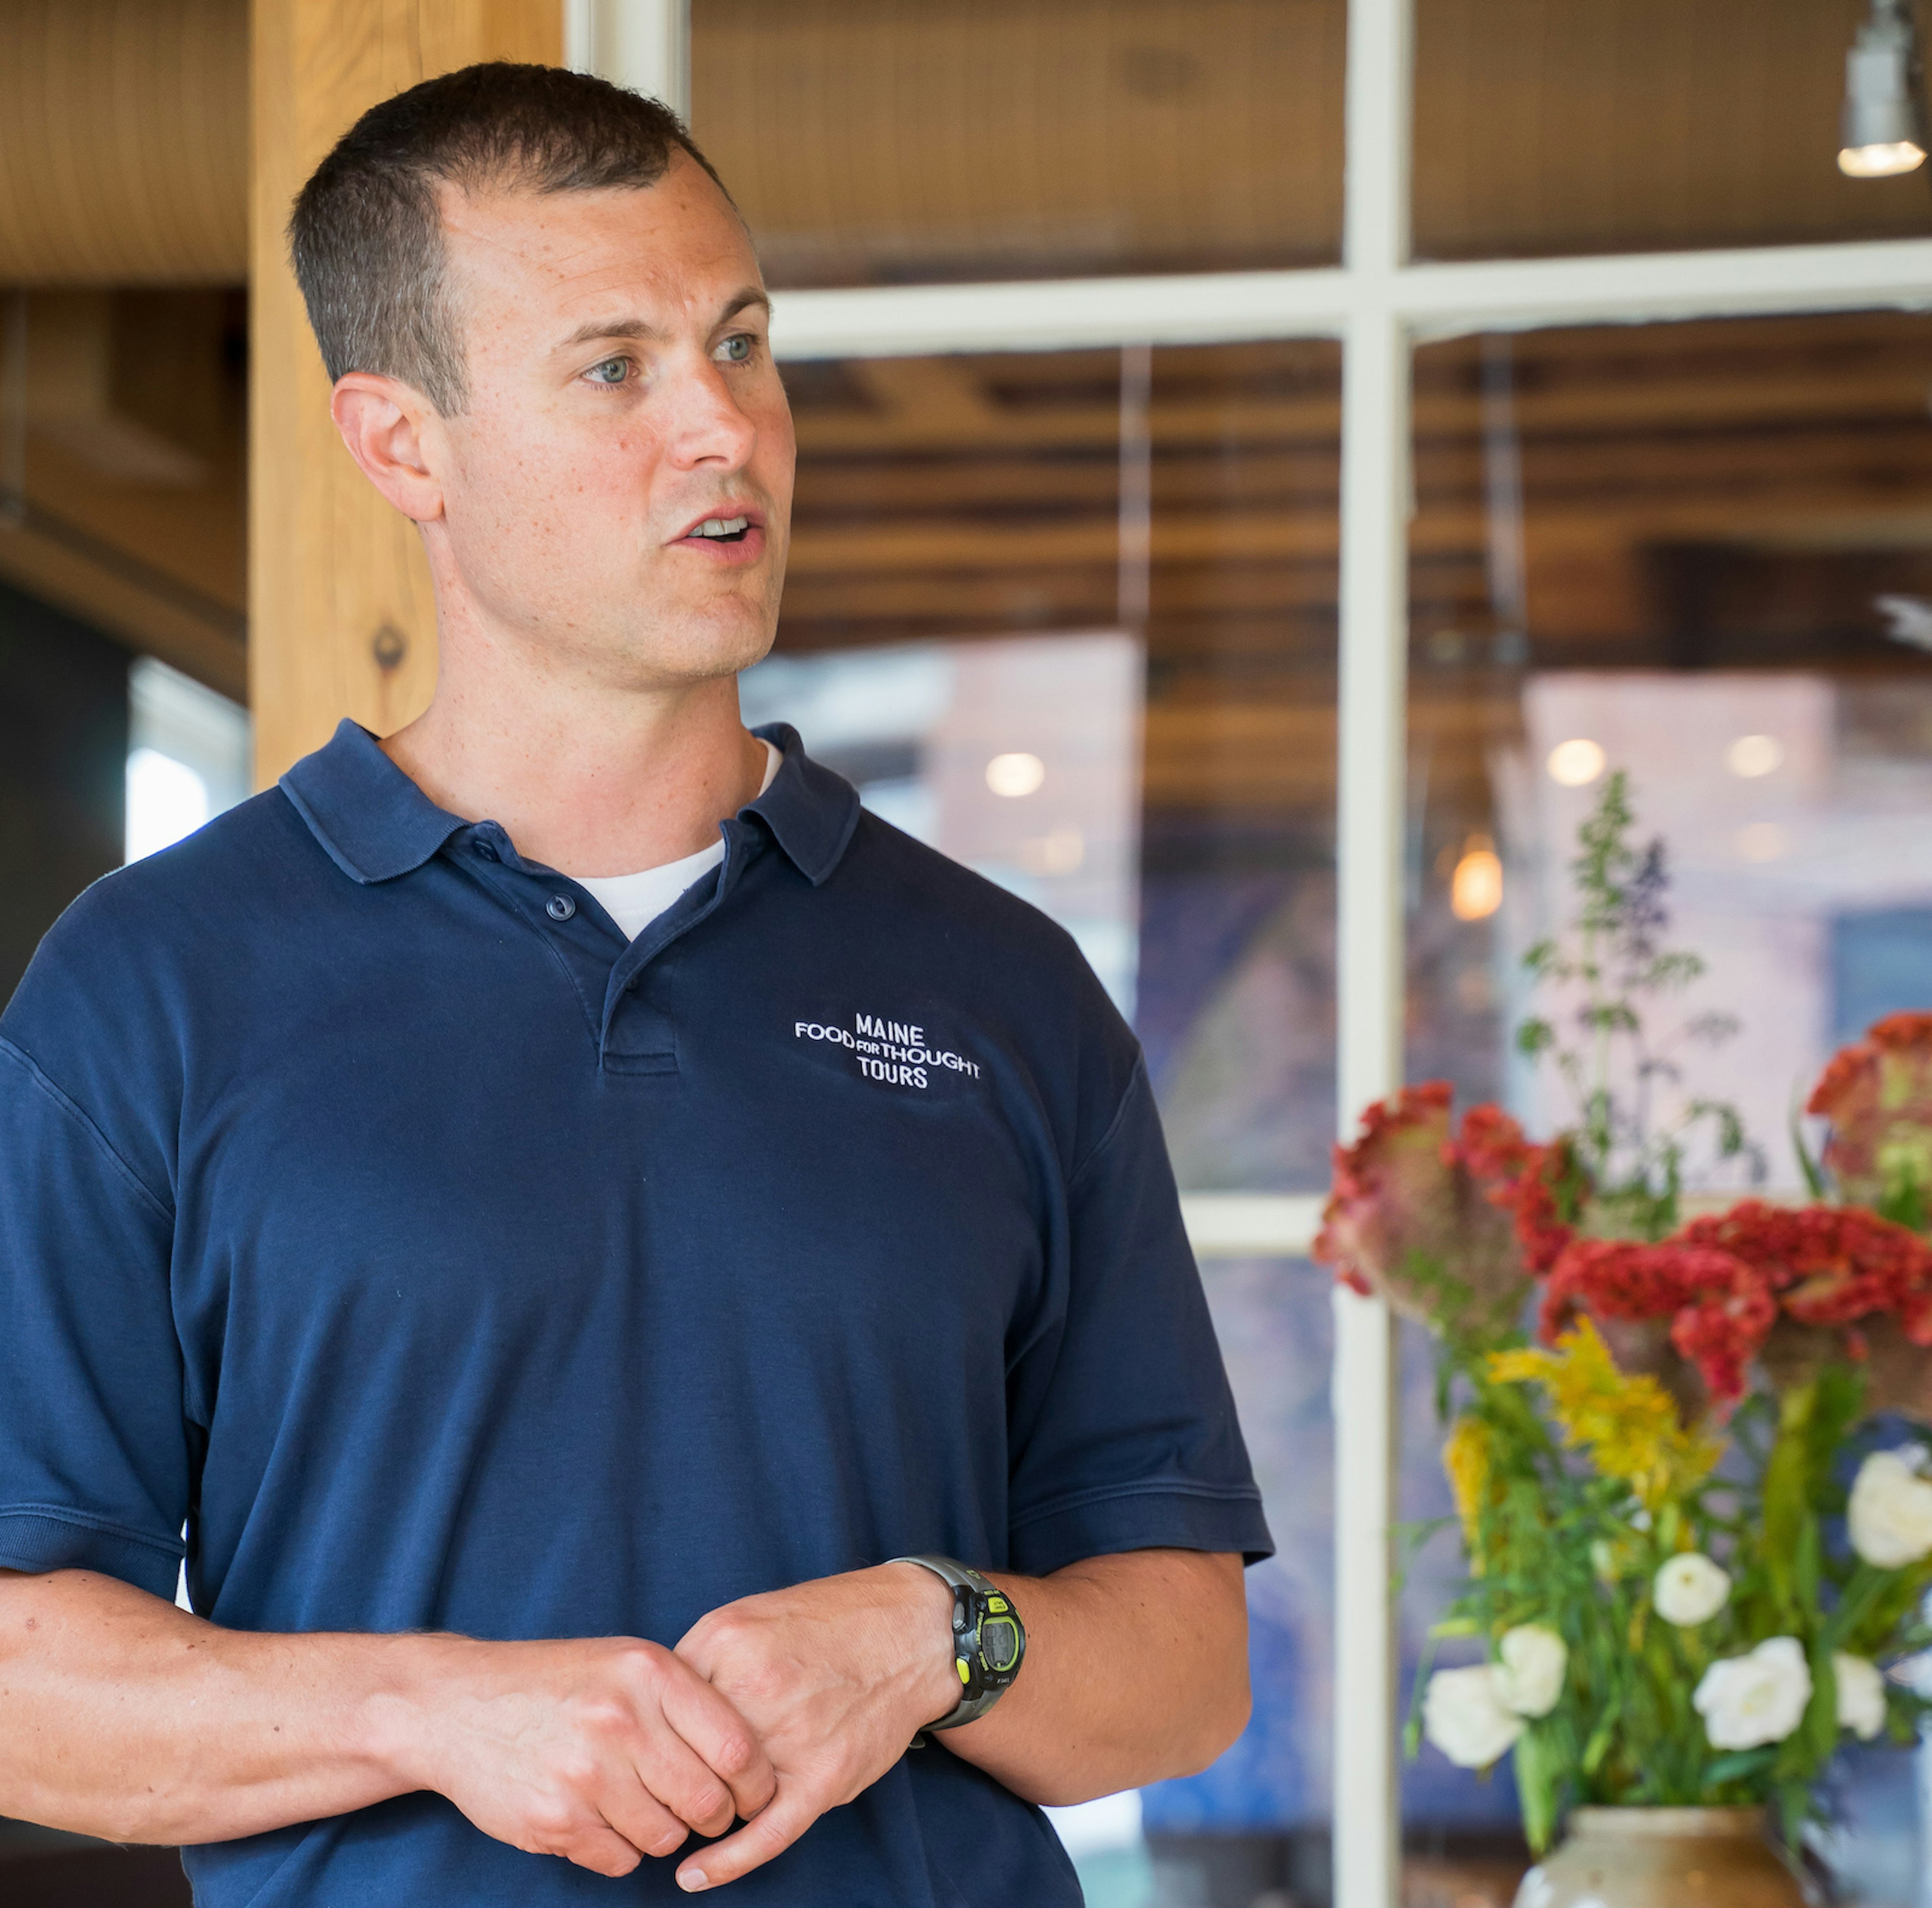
(369, 1208)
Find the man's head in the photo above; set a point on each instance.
(548, 335)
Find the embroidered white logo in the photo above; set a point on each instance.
(894, 1051)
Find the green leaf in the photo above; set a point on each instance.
(1787, 1507)
(1903, 1201)
(1538, 1773)
(1599, 1744)
(1534, 1036)
(1740, 1766)
(1814, 1178)
(1819, 1732)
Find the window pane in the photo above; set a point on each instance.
(1701, 554)
(1258, 1820)
(1070, 617)
(1254, 1828)
(1554, 126)
(872, 141)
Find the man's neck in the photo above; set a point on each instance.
(586, 779)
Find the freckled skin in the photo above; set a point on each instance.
(564, 493)
(620, 390)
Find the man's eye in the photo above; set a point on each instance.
(613, 370)
(736, 349)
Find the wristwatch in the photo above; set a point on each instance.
(989, 1639)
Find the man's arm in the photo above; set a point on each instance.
(127, 1718)
(1136, 1669)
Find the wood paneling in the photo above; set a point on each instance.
(1548, 126)
(123, 142)
(881, 140)
(341, 618)
(903, 139)
(962, 497)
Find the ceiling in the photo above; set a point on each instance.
(885, 140)
(1696, 495)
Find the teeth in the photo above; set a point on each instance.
(720, 526)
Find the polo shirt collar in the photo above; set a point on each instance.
(375, 823)
(811, 811)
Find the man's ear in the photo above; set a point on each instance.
(387, 426)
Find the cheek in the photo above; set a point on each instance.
(545, 494)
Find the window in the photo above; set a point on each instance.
(1573, 126)
(882, 167)
(1069, 617)
(188, 756)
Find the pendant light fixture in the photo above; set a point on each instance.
(1884, 125)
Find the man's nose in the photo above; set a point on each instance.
(708, 427)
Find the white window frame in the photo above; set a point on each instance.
(1379, 304)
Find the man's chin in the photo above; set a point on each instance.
(700, 645)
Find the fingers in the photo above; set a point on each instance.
(722, 1740)
(603, 1851)
(679, 1779)
(645, 1822)
(789, 1814)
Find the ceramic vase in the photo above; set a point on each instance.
(1663, 1858)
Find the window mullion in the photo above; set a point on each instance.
(1374, 649)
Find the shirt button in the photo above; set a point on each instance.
(485, 852)
(560, 908)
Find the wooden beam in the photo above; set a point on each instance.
(341, 617)
(61, 563)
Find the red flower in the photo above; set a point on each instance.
(1522, 1179)
(1829, 1265)
(1720, 1306)
(1723, 1332)
(1406, 1218)
(1877, 1094)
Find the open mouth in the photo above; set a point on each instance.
(722, 529)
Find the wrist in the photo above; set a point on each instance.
(403, 1704)
(926, 1605)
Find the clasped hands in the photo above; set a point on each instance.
(772, 1709)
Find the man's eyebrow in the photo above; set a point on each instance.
(630, 327)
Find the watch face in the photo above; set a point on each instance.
(999, 1643)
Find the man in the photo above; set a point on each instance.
(558, 1206)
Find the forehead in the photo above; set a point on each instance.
(556, 257)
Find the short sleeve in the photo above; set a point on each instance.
(93, 1444)
(1123, 1432)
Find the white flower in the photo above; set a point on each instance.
(1464, 1714)
(1691, 1589)
(1746, 1701)
(1529, 1679)
(1890, 1511)
(1861, 1695)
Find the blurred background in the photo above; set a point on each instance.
(1071, 614)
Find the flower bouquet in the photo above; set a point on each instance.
(1698, 1549)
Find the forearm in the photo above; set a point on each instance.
(1136, 1669)
(127, 1718)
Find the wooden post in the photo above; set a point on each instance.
(341, 621)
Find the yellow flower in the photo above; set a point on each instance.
(1465, 1457)
(1628, 1422)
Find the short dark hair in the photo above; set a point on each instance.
(366, 234)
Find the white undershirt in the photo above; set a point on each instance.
(634, 901)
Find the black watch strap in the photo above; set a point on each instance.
(989, 1639)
